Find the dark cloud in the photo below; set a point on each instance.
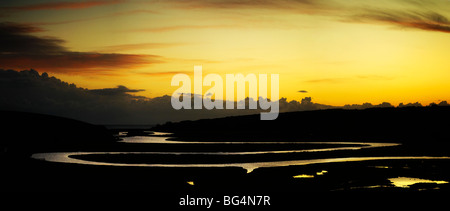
(34, 92)
(311, 7)
(76, 62)
(16, 28)
(16, 39)
(424, 20)
(62, 5)
(443, 103)
(119, 90)
(20, 49)
(368, 105)
(416, 104)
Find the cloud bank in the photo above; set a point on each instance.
(33, 92)
(20, 49)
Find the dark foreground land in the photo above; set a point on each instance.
(406, 125)
(422, 132)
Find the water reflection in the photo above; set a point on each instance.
(406, 182)
(67, 157)
(303, 176)
(321, 172)
(381, 167)
(164, 140)
(76, 157)
(160, 133)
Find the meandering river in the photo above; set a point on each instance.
(158, 138)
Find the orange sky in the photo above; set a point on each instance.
(340, 52)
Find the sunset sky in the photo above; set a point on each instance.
(339, 52)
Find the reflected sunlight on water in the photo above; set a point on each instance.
(160, 133)
(71, 157)
(381, 167)
(303, 176)
(321, 172)
(406, 182)
(67, 157)
(164, 140)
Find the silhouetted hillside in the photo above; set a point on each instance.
(407, 124)
(30, 132)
